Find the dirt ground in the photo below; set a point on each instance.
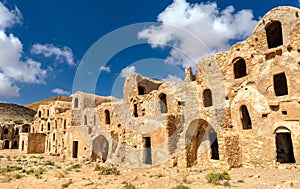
(39, 171)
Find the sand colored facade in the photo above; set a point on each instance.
(242, 108)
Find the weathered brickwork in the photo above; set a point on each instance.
(242, 108)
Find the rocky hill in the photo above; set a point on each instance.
(10, 113)
(34, 106)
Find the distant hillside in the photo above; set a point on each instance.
(34, 106)
(14, 113)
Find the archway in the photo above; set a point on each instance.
(100, 148)
(16, 144)
(6, 144)
(239, 68)
(194, 136)
(207, 98)
(26, 128)
(274, 34)
(284, 146)
(163, 103)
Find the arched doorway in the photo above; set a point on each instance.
(6, 144)
(194, 136)
(163, 103)
(26, 128)
(100, 148)
(284, 146)
(274, 34)
(16, 144)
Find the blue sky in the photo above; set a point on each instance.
(44, 42)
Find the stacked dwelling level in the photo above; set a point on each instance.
(241, 109)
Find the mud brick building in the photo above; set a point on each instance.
(242, 108)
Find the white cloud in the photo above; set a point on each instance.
(172, 78)
(7, 88)
(9, 18)
(182, 23)
(61, 55)
(105, 69)
(128, 70)
(13, 69)
(60, 91)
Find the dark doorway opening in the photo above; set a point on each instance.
(245, 118)
(141, 90)
(6, 144)
(107, 117)
(15, 144)
(240, 69)
(5, 131)
(75, 149)
(280, 84)
(284, 148)
(147, 146)
(207, 98)
(214, 145)
(135, 111)
(274, 34)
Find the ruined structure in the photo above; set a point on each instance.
(241, 109)
(14, 120)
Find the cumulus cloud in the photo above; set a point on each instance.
(198, 30)
(172, 78)
(60, 91)
(13, 68)
(104, 69)
(128, 70)
(9, 17)
(7, 88)
(61, 55)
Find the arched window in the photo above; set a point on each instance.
(85, 120)
(280, 84)
(53, 136)
(17, 131)
(40, 114)
(76, 103)
(245, 118)
(207, 98)
(15, 144)
(49, 126)
(55, 124)
(239, 68)
(141, 90)
(48, 112)
(163, 103)
(5, 131)
(107, 117)
(274, 34)
(42, 127)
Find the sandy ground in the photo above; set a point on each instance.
(38, 171)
